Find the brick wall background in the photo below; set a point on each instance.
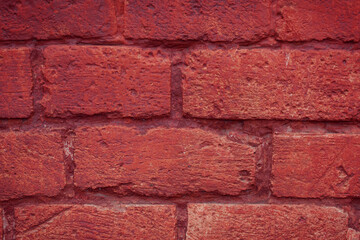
(159, 119)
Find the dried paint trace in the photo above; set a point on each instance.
(186, 120)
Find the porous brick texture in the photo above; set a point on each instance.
(16, 83)
(163, 161)
(22, 20)
(31, 164)
(133, 82)
(65, 221)
(316, 165)
(184, 120)
(353, 235)
(258, 221)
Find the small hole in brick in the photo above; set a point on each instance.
(244, 173)
(133, 92)
(150, 6)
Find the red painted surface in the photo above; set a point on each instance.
(152, 119)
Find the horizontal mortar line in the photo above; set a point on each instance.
(170, 44)
(105, 117)
(107, 200)
(99, 121)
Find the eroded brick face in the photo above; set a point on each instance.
(236, 221)
(353, 234)
(243, 21)
(22, 20)
(95, 222)
(16, 83)
(31, 164)
(300, 20)
(165, 162)
(83, 80)
(316, 165)
(1, 222)
(169, 119)
(272, 84)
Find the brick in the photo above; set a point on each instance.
(318, 20)
(352, 234)
(15, 83)
(212, 20)
(31, 163)
(22, 20)
(316, 165)
(236, 221)
(95, 222)
(165, 162)
(88, 80)
(1, 223)
(272, 84)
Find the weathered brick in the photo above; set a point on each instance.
(15, 83)
(352, 234)
(22, 20)
(164, 162)
(187, 20)
(272, 84)
(303, 20)
(30, 163)
(95, 222)
(91, 80)
(1, 223)
(316, 165)
(236, 221)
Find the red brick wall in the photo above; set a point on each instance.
(191, 119)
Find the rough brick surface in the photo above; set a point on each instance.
(253, 222)
(179, 105)
(95, 222)
(163, 161)
(272, 84)
(1, 223)
(302, 20)
(187, 20)
(89, 80)
(31, 163)
(39, 19)
(353, 234)
(15, 83)
(316, 165)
